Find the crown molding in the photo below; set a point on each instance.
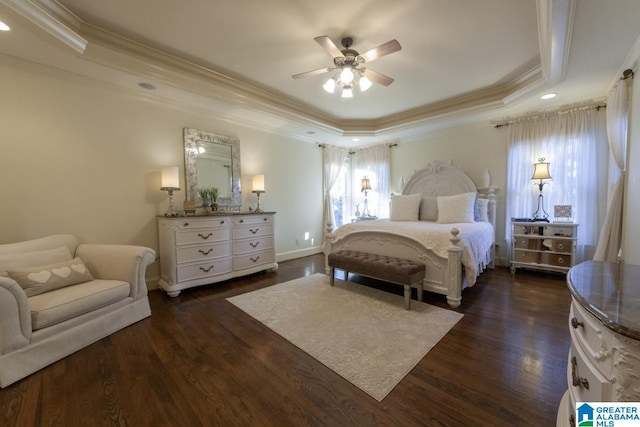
(40, 19)
(94, 44)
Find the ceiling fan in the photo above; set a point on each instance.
(351, 65)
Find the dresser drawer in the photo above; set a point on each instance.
(203, 252)
(562, 245)
(558, 260)
(526, 243)
(526, 256)
(202, 236)
(253, 231)
(252, 245)
(253, 220)
(241, 262)
(591, 336)
(204, 269)
(586, 383)
(189, 224)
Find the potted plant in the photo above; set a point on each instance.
(213, 194)
(204, 195)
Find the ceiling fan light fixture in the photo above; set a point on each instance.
(364, 83)
(346, 75)
(330, 85)
(347, 92)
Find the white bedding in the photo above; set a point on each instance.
(475, 239)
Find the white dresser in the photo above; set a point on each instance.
(200, 250)
(604, 359)
(548, 246)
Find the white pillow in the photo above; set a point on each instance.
(458, 208)
(405, 208)
(482, 206)
(429, 208)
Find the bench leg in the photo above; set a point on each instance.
(420, 291)
(407, 297)
(333, 275)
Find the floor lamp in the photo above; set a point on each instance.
(541, 173)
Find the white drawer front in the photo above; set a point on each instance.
(252, 245)
(253, 231)
(252, 260)
(253, 220)
(204, 269)
(203, 252)
(202, 236)
(586, 383)
(193, 223)
(593, 338)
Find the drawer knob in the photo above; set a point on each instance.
(254, 231)
(205, 252)
(255, 259)
(575, 323)
(222, 222)
(206, 270)
(205, 237)
(254, 245)
(560, 246)
(265, 219)
(241, 221)
(186, 224)
(575, 379)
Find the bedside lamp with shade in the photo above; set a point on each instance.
(258, 188)
(541, 173)
(366, 187)
(170, 182)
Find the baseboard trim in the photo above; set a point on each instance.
(285, 256)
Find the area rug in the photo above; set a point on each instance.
(363, 334)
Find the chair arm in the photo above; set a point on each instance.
(15, 316)
(118, 262)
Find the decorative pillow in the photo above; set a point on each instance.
(458, 208)
(37, 280)
(32, 259)
(405, 208)
(429, 208)
(482, 210)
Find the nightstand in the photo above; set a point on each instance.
(548, 246)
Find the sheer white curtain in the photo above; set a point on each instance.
(569, 141)
(617, 122)
(333, 159)
(373, 163)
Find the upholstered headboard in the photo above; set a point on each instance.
(439, 179)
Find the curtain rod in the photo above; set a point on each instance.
(588, 107)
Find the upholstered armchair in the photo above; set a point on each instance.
(57, 297)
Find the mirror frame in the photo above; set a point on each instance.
(191, 138)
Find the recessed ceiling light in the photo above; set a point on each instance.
(145, 85)
(548, 96)
(4, 27)
(356, 139)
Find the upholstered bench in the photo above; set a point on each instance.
(395, 270)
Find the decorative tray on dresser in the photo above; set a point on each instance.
(604, 322)
(204, 249)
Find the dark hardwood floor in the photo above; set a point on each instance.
(200, 361)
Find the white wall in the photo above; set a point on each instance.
(83, 157)
(472, 148)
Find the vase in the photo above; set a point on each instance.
(214, 206)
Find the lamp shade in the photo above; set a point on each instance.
(541, 170)
(366, 184)
(258, 183)
(170, 177)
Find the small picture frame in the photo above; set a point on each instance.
(562, 213)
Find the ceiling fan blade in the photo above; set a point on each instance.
(382, 50)
(312, 73)
(329, 46)
(378, 77)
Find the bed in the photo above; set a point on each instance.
(454, 253)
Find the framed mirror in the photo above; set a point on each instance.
(212, 160)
